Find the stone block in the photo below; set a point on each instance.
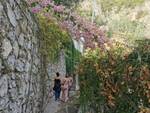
(6, 47)
(21, 39)
(3, 86)
(11, 62)
(15, 48)
(19, 66)
(11, 15)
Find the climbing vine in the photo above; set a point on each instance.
(54, 38)
(72, 58)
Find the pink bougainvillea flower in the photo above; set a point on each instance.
(36, 9)
(59, 8)
(45, 3)
(32, 1)
(76, 25)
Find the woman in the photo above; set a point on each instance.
(65, 88)
(70, 83)
(57, 86)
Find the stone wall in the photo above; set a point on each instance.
(58, 66)
(19, 59)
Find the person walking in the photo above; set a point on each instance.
(65, 89)
(57, 86)
(70, 83)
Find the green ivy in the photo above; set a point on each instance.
(53, 38)
(72, 58)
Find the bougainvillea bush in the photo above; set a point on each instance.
(116, 80)
(78, 27)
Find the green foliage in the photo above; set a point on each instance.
(67, 3)
(141, 14)
(116, 81)
(53, 38)
(72, 58)
(108, 5)
(126, 29)
(58, 1)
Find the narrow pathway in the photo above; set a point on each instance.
(60, 107)
(53, 106)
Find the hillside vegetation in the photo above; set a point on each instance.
(121, 19)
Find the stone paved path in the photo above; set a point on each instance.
(53, 106)
(59, 107)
